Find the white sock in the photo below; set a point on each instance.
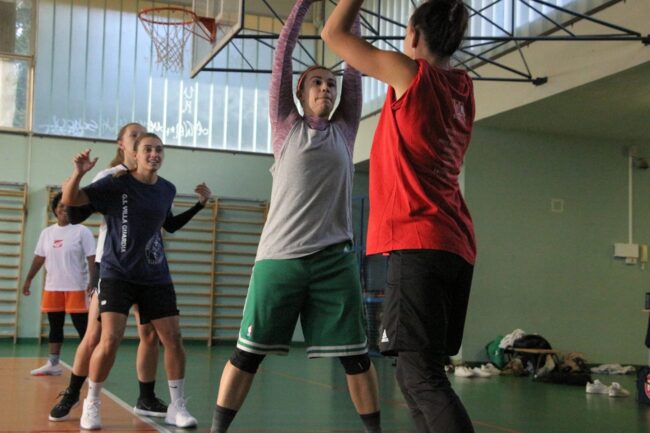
(176, 389)
(54, 358)
(94, 388)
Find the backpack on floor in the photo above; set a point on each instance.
(643, 385)
(531, 341)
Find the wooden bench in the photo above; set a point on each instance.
(540, 360)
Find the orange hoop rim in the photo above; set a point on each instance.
(144, 17)
(207, 25)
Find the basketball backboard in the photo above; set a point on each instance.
(229, 18)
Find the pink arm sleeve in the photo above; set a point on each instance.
(349, 110)
(282, 110)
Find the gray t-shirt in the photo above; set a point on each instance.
(312, 175)
(311, 195)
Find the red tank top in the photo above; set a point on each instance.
(415, 161)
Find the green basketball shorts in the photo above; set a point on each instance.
(322, 289)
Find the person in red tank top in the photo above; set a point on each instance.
(417, 212)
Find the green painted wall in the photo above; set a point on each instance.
(554, 273)
(43, 161)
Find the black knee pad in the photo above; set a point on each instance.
(56, 321)
(246, 361)
(355, 364)
(80, 322)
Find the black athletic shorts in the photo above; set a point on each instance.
(154, 301)
(425, 304)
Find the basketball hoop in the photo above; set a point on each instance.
(170, 28)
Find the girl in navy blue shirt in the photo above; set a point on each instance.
(136, 205)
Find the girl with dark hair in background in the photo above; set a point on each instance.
(68, 253)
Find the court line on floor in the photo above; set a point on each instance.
(128, 408)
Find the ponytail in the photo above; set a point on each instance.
(442, 23)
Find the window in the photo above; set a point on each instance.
(16, 62)
(96, 70)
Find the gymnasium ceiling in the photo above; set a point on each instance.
(615, 108)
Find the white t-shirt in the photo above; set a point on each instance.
(102, 227)
(66, 249)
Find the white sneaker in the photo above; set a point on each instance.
(616, 390)
(480, 373)
(491, 369)
(178, 415)
(48, 370)
(462, 371)
(91, 417)
(597, 387)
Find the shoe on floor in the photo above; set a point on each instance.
(48, 370)
(478, 372)
(91, 417)
(61, 410)
(491, 369)
(616, 390)
(150, 407)
(178, 415)
(597, 387)
(462, 371)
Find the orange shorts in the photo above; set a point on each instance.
(70, 302)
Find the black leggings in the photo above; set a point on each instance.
(57, 320)
(433, 404)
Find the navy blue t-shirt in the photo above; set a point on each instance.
(134, 213)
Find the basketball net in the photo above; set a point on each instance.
(170, 29)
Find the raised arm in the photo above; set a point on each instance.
(349, 109)
(282, 109)
(176, 222)
(395, 69)
(72, 194)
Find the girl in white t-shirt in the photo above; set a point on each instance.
(68, 253)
